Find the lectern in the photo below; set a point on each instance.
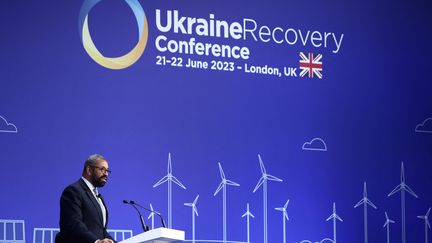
(159, 235)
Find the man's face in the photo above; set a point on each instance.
(99, 173)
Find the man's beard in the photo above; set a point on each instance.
(98, 182)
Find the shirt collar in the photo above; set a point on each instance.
(89, 185)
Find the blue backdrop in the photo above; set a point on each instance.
(369, 112)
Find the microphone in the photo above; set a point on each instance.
(149, 210)
(144, 226)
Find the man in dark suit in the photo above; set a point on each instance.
(83, 213)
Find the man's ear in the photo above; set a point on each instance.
(88, 170)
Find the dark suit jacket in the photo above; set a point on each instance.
(80, 216)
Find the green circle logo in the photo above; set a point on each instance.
(114, 62)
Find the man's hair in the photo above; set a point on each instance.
(92, 160)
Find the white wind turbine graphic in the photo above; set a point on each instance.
(194, 212)
(169, 178)
(365, 201)
(222, 186)
(402, 187)
(387, 225)
(426, 222)
(263, 181)
(248, 214)
(151, 216)
(284, 216)
(334, 217)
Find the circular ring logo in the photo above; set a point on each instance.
(114, 62)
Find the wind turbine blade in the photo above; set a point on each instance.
(286, 215)
(222, 174)
(273, 178)
(231, 183)
(260, 182)
(398, 188)
(221, 185)
(428, 212)
(151, 213)
(169, 169)
(334, 216)
(410, 191)
(161, 181)
(286, 204)
(280, 209)
(388, 222)
(188, 204)
(334, 212)
(427, 222)
(263, 170)
(371, 203)
(248, 214)
(364, 190)
(387, 219)
(360, 203)
(402, 172)
(176, 181)
(196, 199)
(195, 211)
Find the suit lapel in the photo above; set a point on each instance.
(93, 200)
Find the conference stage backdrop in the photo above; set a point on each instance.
(240, 121)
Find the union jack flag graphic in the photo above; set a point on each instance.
(311, 64)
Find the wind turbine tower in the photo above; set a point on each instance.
(402, 187)
(334, 217)
(194, 212)
(284, 216)
(222, 186)
(151, 216)
(365, 202)
(169, 179)
(248, 214)
(426, 222)
(263, 182)
(387, 225)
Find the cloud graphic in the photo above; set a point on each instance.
(5, 126)
(426, 126)
(316, 144)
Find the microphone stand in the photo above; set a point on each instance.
(144, 226)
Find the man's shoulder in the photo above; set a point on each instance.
(76, 186)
